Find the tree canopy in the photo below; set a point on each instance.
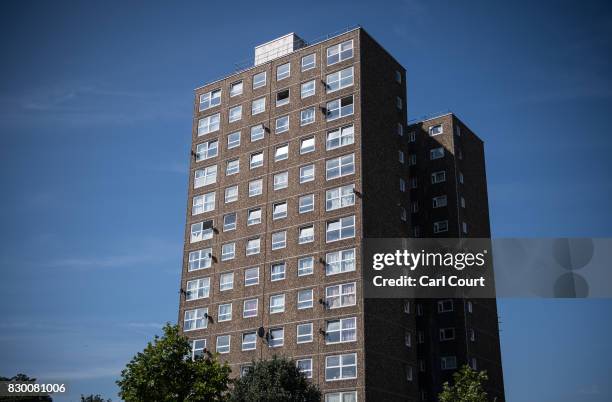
(467, 386)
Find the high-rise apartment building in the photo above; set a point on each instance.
(295, 161)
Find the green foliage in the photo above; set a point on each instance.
(165, 372)
(93, 398)
(467, 386)
(276, 380)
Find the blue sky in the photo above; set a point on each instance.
(95, 120)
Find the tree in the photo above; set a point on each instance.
(467, 387)
(276, 380)
(165, 372)
(93, 398)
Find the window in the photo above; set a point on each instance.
(253, 246)
(210, 99)
(341, 367)
(469, 307)
(400, 129)
(340, 197)
(281, 152)
(340, 166)
(259, 80)
(307, 145)
(457, 131)
(439, 201)
(235, 113)
(233, 140)
(279, 210)
(197, 348)
(195, 319)
(307, 89)
(305, 266)
(461, 177)
(201, 231)
(408, 372)
(277, 304)
(340, 261)
(436, 153)
(281, 180)
(399, 103)
(472, 335)
(304, 333)
(402, 185)
(421, 336)
(249, 341)
(464, 227)
(339, 108)
(200, 259)
(342, 295)
(414, 182)
(473, 364)
(420, 310)
(254, 216)
(403, 214)
(339, 229)
(462, 202)
(251, 276)
(307, 173)
(407, 306)
(401, 157)
(225, 312)
(283, 71)
(306, 234)
(279, 240)
(258, 106)
(277, 337)
(226, 281)
(339, 79)
(445, 306)
(304, 299)
(282, 124)
(207, 150)
(203, 203)
(223, 344)
(339, 52)
(197, 289)
(436, 130)
(228, 251)
(236, 88)
(208, 124)
(412, 161)
(306, 203)
(245, 369)
(412, 136)
(308, 62)
(229, 222)
(231, 194)
(340, 137)
(307, 116)
(305, 367)
(408, 339)
(414, 206)
(232, 167)
(440, 226)
(448, 363)
(255, 187)
(447, 334)
(256, 160)
(347, 396)
(257, 133)
(204, 177)
(282, 97)
(438, 177)
(340, 331)
(398, 77)
(277, 271)
(250, 308)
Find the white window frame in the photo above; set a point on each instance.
(209, 124)
(346, 261)
(305, 266)
(436, 129)
(252, 343)
(340, 197)
(198, 233)
(232, 167)
(305, 116)
(205, 176)
(200, 259)
(250, 220)
(251, 280)
(258, 106)
(260, 83)
(307, 173)
(235, 114)
(210, 99)
(284, 101)
(306, 203)
(281, 180)
(345, 291)
(308, 302)
(308, 65)
(277, 341)
(281, 128)
(339, 396)
(342, 109)
(439, 201)
(346, 224)
(438, 177)
(342, 51)
(231, 225)
(306, 337)
(224, 284)
(207, 150)
(448, 362)
(248, 313)
(436, 153)
(197, 319)
(440, 226)
(307, 89)
(340, 137)
(281, 75)
(226, 315)
(256, 160)
(231, 194)
(345, 332)
(303, 236)
(223, 348)
(307, 371)
(447, 334)
(277, 308)
(276, 244)
(255, 187)
(281, 152)
(344, 165)
(197, 289)
(228, 251)
(278, 271)
(232, 143)
(339, 80)
(342, 366)
(237, 84)
(253, 246)
(282, 210)
(307, 145)
(203, 203)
